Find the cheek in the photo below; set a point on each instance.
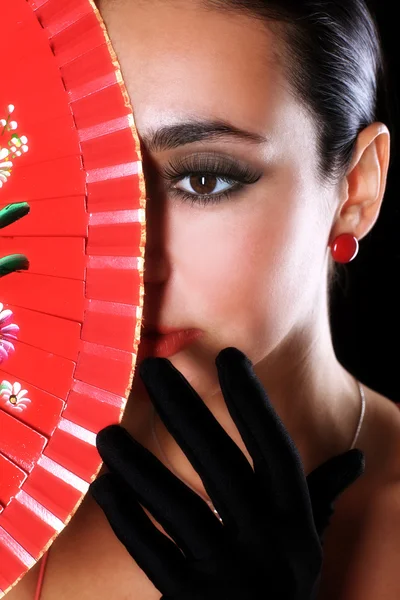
(251, 270)
(236, 262)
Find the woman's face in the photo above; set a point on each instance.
(249, 269)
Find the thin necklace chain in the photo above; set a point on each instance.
(210, 504)
(361, 419)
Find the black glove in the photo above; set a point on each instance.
(270, 543)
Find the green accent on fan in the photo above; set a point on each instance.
(13, 262)
(12, 212)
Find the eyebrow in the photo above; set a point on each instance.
(187, 132)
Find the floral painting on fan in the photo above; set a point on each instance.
(17, 145)
(74, 205)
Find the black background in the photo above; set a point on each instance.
(365, 302)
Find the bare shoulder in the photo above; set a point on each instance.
(88, 562)
(381, 437)
(380, 442)
(362, 543)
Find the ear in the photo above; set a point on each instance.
(364, 184)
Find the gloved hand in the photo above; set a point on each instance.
(270, 544)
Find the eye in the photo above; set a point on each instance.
(208, 179)
(206, 184)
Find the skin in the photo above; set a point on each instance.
(250, 272)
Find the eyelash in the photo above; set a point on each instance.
(225, 170)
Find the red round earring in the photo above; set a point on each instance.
(344, 248)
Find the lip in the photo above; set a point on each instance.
(168, 344)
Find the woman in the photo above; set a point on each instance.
(261, 148)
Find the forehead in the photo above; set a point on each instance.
(181, 60)
(180, 55)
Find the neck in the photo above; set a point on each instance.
(315, 397)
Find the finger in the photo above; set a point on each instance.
(329, 480)
(161, 560)
(180, 511)
(277, 463)
(225, 471)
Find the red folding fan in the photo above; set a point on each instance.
(72, 225)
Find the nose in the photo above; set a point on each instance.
(156, 269)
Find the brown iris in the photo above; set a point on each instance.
(198, 183)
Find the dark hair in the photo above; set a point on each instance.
(334, 62)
